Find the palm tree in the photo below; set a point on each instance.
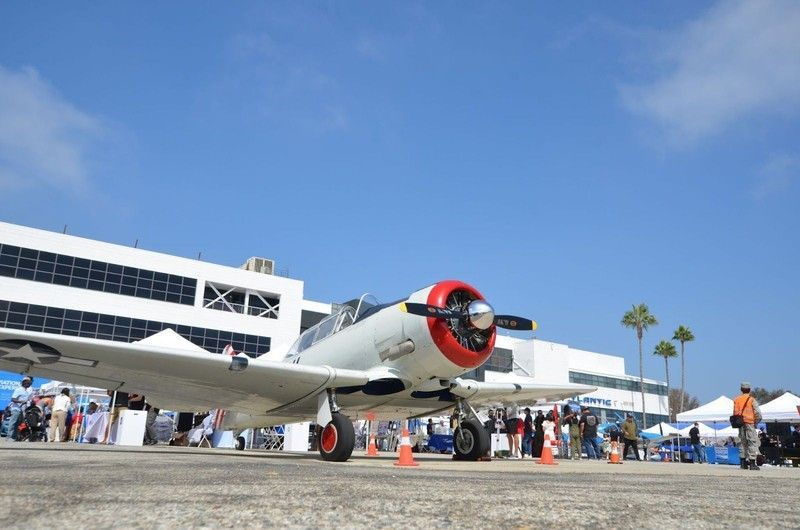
(640, 319)
(684, 335)
(666, 350)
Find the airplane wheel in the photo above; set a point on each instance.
(337, 439)
(473, 444)
(240, 443)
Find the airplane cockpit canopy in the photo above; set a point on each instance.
(347, 314)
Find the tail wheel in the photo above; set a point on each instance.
(470, 441)
(337, 439)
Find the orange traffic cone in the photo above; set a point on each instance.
(406, 457)
(547, 453)
(614, 455)
(372, 449)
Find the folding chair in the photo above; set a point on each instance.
(204, 438)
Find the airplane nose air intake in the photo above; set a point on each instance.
(465, 342)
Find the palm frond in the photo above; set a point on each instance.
(639, 317)
(683, 334)
(665, 349)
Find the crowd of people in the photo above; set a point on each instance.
(32, 416)
(579, 436)
(56, 418)
(526, 433)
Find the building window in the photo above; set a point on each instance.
(501, 360)
(240, 300)
(615, 382)
(478, 374)
(59, 269)
(262, 305)
(30, 317)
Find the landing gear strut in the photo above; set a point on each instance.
(337, 439)
(470, 439)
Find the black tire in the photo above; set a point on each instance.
(474, 442)
(240, 443)
(337, 439)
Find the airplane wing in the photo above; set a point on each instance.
(177, 378)
(521, 390)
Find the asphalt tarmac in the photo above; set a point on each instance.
(53, 485)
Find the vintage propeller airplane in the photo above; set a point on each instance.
(385, 361)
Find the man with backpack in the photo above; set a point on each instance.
(588, 427)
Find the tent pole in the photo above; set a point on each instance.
(113, 402)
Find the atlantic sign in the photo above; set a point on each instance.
(604, 402)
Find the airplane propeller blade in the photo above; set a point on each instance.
(425, 310)
(516, 323)
(502, 321)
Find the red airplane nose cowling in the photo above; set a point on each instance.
(464, 347)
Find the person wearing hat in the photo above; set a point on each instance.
(19, 398)
(746, 406)
(630, 437)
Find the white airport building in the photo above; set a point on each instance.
(58, 283)
(617, 393)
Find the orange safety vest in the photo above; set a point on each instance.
(744, 405)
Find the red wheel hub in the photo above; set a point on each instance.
(329, 438)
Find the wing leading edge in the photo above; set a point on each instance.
(177, 376)
(523, 389)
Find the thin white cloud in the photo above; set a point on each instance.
(285, 85)
(778, 175)
(43, 138)
(369, 46)
(739, 60)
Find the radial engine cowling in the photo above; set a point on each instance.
(461, 342)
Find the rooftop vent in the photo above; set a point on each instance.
(262, 265)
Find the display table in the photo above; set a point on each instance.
(442, 443)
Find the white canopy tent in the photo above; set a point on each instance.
(785, 408)
(78, 392)
(705, 431)
(662, 429)
(728, 431)
(719, 410)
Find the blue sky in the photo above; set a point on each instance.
(568, 163)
